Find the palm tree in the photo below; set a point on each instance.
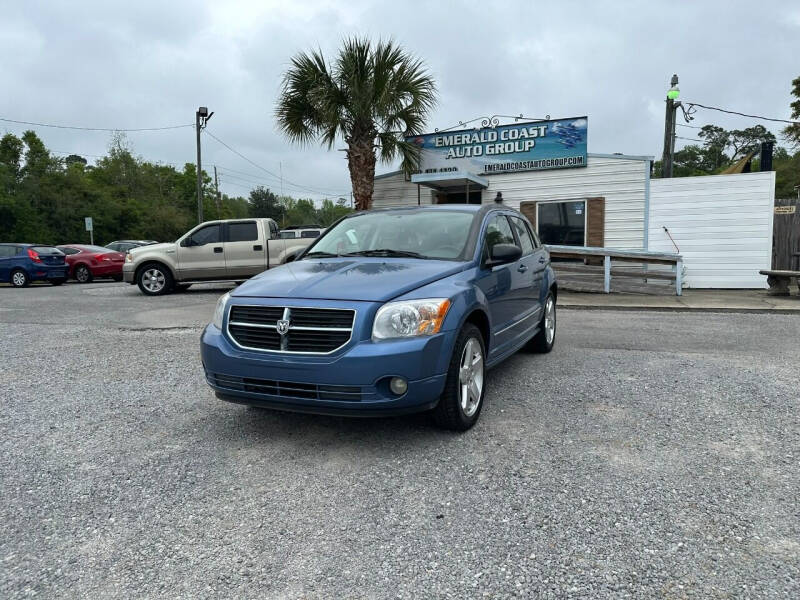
(371, 96)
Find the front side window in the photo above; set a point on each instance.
(7, 251)
(497, 232)
(414, 233)
(206, 235)
(526, 243)
(242, 232)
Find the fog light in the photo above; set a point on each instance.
(398, 385)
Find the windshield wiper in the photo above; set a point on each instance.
(388, 252)
(319, 254)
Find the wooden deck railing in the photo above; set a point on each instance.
(608, 255)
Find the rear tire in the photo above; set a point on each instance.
(154, 279)
(544, 341)
(83, 274)
(462, 400)
(19, 278)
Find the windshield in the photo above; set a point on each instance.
(420, 234)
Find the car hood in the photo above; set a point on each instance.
(361, 279)
(163, 247)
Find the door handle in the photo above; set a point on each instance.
(258, 247)
(541, 260)
(217, 250)
(522, 268)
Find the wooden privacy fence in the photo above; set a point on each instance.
(786, 235)
(628, 257)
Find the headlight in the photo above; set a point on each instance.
(128, 257)
(410, 318)
(219, 312)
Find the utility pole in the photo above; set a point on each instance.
(669, 127)
(201, 117)
(216, 187)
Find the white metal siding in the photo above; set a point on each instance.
(620, 180)
(722, 225)
(393, 190)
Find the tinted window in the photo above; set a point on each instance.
(47, 251)
(8, 251)
(498, 232)
(68, 251)
(309, 234)
(242, 232)
(526, 243)
(206, 235)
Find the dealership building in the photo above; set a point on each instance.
(720, 224)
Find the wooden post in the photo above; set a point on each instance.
(607, 274)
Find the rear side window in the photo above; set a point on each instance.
(8, 251)
(242, 232)
(309, 234)
(69, 251)
(47, 251)
(526, 243)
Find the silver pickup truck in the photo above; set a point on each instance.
(232, 250)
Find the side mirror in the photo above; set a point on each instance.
(504, 253)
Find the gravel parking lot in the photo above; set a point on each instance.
(651, 455)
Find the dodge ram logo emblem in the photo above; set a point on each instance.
(282, 326)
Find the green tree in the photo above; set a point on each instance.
(744, 141)
(371, 96)
(263, 203)
(791, 132)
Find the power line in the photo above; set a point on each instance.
(689, 126)
(689, 139)
(96, 128)
(277, 177)
(733, 112)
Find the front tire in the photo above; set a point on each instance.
(544, 341)
(461, 402)
(154, 280)
(83, 274)
(20, 279)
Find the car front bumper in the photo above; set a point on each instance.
(128, 272)
(353, 381)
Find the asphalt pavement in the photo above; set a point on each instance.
(650, 455)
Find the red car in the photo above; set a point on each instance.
(87, 262)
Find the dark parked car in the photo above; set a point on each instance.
(125, 245)
(388, 312)
(20, 264)
(87, 262)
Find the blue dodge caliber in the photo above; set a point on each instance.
(389, 312)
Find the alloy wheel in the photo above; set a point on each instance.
(18, 279)
(153, 280)
(82, 274)
(471, 377)
(550, 320)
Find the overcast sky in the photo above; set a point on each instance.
(146, 63)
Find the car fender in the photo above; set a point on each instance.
(159, 260)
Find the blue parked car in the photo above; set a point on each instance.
(20, 264)
(389, 312)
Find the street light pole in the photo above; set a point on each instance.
(669, 127)
(201, 117)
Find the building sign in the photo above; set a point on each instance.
(785, 210)
(530, 146)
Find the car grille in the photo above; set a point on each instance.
(287, 389)
(310, 330)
